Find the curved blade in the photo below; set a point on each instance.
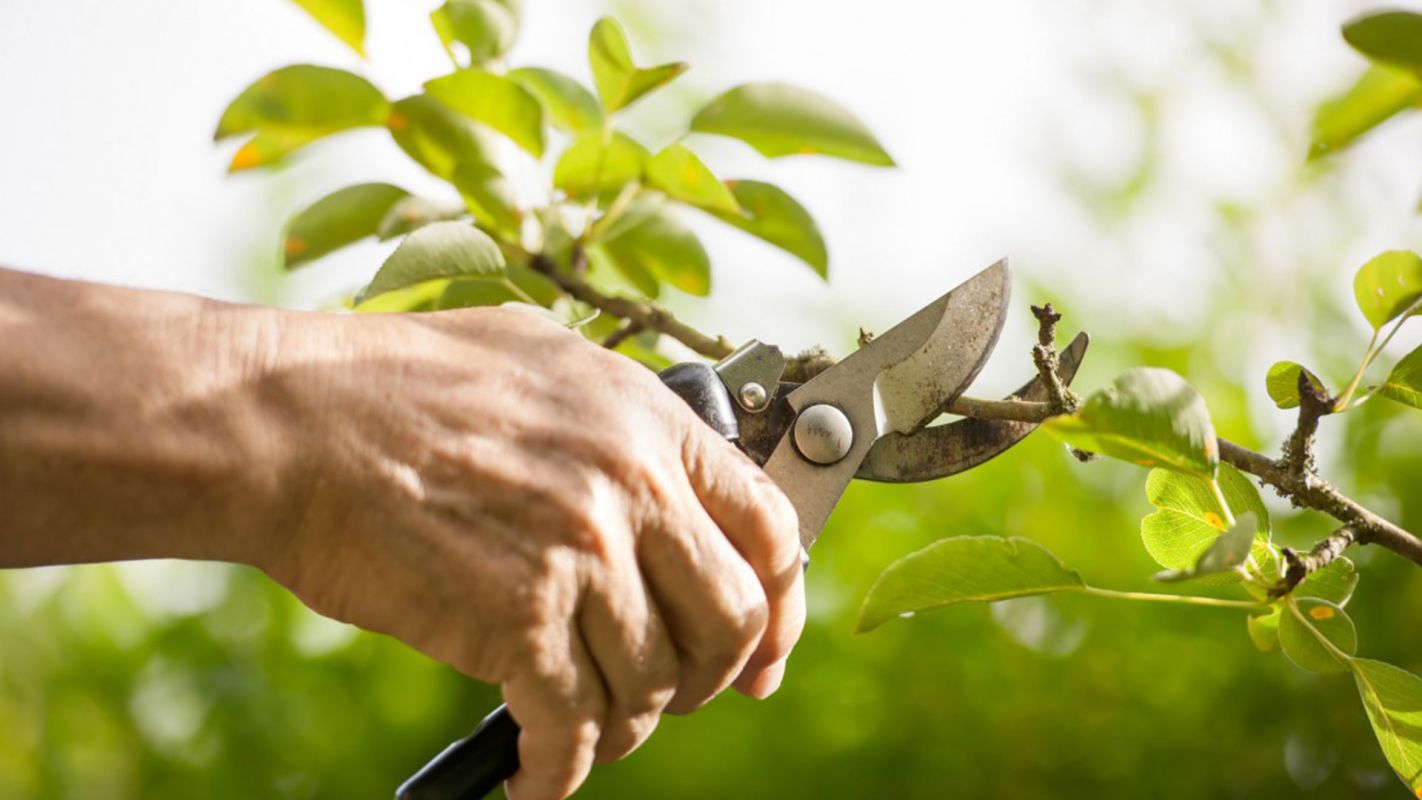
(945, 450)
(897, 382)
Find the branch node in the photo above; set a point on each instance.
(1314, 404)
(1301, 565)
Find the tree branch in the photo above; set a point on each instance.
(1292, 476)
(643, 314)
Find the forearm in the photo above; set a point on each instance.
(130, 426)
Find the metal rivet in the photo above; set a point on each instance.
(753, 396)
(823, 434)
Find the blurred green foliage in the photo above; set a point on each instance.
(210, 681)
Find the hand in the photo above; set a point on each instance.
(538, 512)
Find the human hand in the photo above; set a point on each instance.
(507, 497)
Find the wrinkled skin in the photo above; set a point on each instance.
(484, 485)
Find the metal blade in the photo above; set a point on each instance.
(944, 450)
(897, 382)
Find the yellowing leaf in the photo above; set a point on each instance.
(1148, 416)
(619, 81)
(1388, 285)
(982, 569)
(682, 175)
(779, 120)
(495, 101)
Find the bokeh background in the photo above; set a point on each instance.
(1142, 161)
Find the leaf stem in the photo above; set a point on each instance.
(1180, 599)
(1224, 504)
(1368, 355)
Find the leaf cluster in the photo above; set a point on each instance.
(604, 205)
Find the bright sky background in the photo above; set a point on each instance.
(108, 172)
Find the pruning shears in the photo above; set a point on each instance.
(866, 417)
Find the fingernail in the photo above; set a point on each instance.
(768, 681)
(804, 559)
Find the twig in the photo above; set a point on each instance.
(1322, 554)
(1060, 398)
(1044, 355)
(622, 334)
(647, 315)
(1305, 490)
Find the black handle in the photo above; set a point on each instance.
(471, 767)
(480, 762)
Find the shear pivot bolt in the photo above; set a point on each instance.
(753, 396)
(823, 434)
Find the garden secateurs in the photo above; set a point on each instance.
(865, 417)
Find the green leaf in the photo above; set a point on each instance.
(1393, 700)
(1149, 416)
(1392, 37)
(486, 27)
(1334, 582)
(436, 137)
(663, 248)
(590, 167)
(1188, 518)
(1282, 383)
(419, 297)
(569, 106)
(296, 105)
(489, 198)
(343, 217)
(520, 285)
(682, 175)
(779, 120)
(1220, 561)
(619, 81)
(495, 101)
(1387, 285)
(1379, 94)
(981, 569)
(1404, 383)
(415, 212)
(1264, 629)
(1311, 634)
(439, 250)
(774, 216)
(344, 18)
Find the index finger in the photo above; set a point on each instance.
(761, 524)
